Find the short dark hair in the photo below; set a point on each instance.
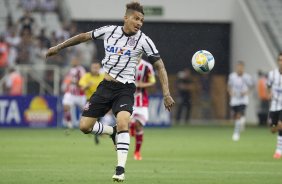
(134, 6)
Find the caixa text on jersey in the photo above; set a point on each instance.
(118, 50)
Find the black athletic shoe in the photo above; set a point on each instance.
(119, 175)
(113, 136)
(96, 139)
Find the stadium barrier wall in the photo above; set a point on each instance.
(46, 111)
(28, 111)
(158, 115)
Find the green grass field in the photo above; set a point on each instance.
(186, 155)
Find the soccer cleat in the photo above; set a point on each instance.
(96, 139)
(137, 156)
(235, 137)
(119, 176)
(277, 155)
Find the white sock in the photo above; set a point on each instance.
(279, 145)
(99, 128)
(237, 126)
(123, 141)
(243, 123)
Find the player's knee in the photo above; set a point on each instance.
(122, 126)
(84, 127)
(123, 119)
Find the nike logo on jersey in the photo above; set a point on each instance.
(123, 105)
(118, 50)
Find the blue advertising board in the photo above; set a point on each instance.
(158, 115)
(28, 111)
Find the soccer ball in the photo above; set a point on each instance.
(203, 61)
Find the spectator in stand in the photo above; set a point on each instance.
(25, 47)
(64, 32)
(44, 39)
(10, 27)
(38, 59)
(13, 40)
(26, 22)
(63, 57)
(4, 53)
(13, 83)
(73, 30)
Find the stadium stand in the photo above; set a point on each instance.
(268, 16)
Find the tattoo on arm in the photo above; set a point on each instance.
(159, 66)
(83, 37)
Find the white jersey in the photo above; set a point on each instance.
(122, 51)
(274, 82)
(239, 85)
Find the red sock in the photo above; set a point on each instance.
(138, 141)
(132, 129)
(67, 116)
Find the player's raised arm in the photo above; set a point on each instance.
(160, 68)
(82, 37)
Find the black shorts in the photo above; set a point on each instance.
(274, 117)
(110, 95)
(239, 109)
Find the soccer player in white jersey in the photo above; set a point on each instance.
(239, 85)
(145, 77)
(74, 95)
(124, 46)
(274, 84)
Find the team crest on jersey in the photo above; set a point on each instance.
(131, 41)
(118, 50)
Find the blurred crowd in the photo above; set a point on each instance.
(24, 42)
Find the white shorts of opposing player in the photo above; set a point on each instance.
(72, 101)
(140, 114)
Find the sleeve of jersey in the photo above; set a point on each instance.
(150, 50)
(269, 79)
(99, 33)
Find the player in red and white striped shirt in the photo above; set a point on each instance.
(74, 95)
(145, 77)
